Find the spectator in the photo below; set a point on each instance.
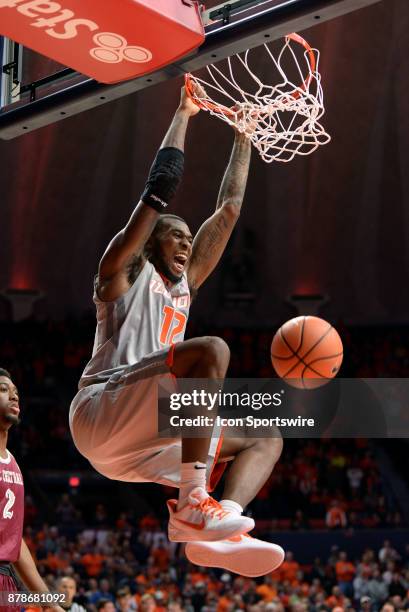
(105, 605)
(103, 593)
(160, 556)
(174, 606)
(335, 517)
(345, 572)
(388, 573)
(68, 586)
(147, 603)
(377, 589)
(388, 553)
(398, 602)
(387, 608)
(66, 511)
(361, 585)
(365, 604)
(336, 598)
(92, 562)
(160, 601)
(397, 586)
(355, 475)
(289, 568)
(267, 590)
(125, 601)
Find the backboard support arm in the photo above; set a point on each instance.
(230, 28)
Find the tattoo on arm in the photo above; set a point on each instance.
(235, 178)
(211, 237)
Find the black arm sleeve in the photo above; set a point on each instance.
(164, 178)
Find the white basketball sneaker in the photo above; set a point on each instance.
(204, 519)
(242, 555)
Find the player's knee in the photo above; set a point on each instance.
(215, 351)
(271, 447)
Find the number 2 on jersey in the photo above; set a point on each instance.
(173, 324)
(7, 511)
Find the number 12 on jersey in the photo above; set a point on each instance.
(173, 324)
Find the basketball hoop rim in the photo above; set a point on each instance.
(204, 104)
(312, 60)
(227, 111)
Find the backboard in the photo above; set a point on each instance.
(35, 91)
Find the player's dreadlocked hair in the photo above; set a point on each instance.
(135, 265)
(4, 372)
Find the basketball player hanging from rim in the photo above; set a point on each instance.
(142, 294)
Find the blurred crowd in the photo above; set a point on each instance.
(327, 483)
(115, 559)
(128, 569)
(44, 354)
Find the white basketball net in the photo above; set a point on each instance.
(281, 120)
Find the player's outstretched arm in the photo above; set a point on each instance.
(164, 178)
(214, 234)
(29, 574)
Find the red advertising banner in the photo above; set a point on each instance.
(108, 40)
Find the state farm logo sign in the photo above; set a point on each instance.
(62, 24)
(114, 48)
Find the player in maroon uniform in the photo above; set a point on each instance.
(14, 553)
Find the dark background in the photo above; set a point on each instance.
(335, 222)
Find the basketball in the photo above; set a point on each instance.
(306, 352)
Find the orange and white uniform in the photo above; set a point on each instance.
(114, 416)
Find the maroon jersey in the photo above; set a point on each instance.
(11, 509)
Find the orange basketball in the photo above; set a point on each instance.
(306, 352)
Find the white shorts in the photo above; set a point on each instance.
(114, 425)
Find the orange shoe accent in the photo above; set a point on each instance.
(204, 519)
(208, 506)
(238, 537)
(212, 507)
(197, 526)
